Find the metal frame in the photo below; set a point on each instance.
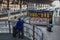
(35, 32)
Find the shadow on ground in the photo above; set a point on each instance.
(6, 36)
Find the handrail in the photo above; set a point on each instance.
(35, 26)
(35, 31)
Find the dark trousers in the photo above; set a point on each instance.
(49, 29)
(14, 31)
(21, 34)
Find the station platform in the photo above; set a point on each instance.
(6, 36)
(55, 35)
(37, 15)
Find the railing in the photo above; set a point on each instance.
(31, 31)
(4, 27)
(11, 11)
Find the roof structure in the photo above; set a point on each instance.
(38, 1)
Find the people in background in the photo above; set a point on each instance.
(51, 25)
(13, 22)
(49, 28)
(20, 27)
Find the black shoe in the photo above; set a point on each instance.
(21, 37)
(18, 37)
(50, 31)
(14, 36)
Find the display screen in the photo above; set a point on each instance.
(41, 15)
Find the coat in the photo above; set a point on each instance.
(19, 25)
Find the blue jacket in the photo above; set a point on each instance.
(19, 25)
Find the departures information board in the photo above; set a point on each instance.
(40, 17)
(40, 14)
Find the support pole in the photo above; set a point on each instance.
(9, 21)
(8, 12)
(33, 32)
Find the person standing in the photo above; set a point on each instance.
(13, 22)
(19, 26)
(51, 25)
(49, 28)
